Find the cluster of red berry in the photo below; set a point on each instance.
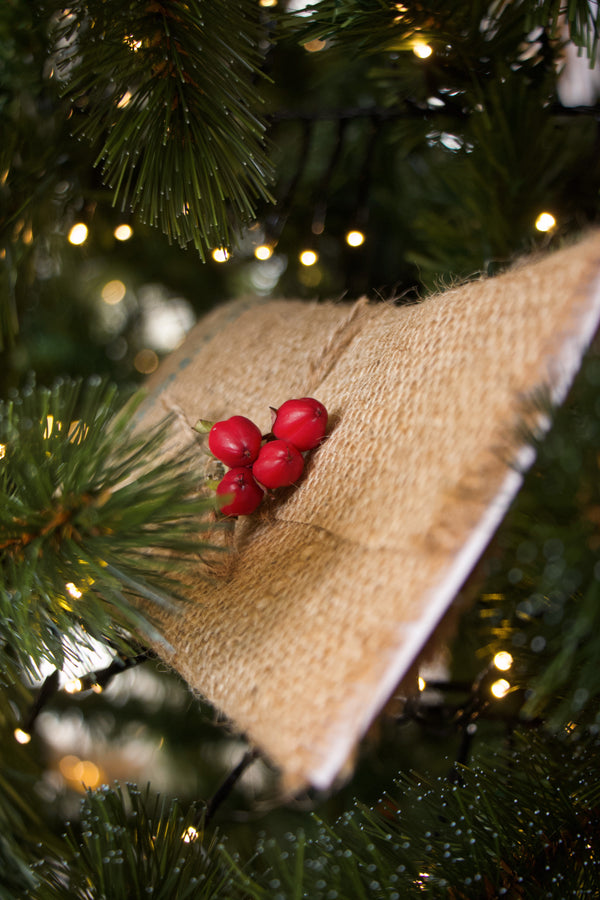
(258, 462)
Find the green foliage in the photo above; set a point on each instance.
(169, 95)
(545, 608)
(32, 158)
(521, 824)
(367, 26)
(130, 844)
(87, 506)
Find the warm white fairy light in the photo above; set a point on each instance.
(422, 683)
(267, 3)
(123, 232)
(503, 660)
(308, 257)
(146, 361)
(113, 292)
(2, 451)
(74, 686)
(131, 42)
(97, 688)
(190, 835)
(422, 49)
(315, 46)
(124, 100)
(81, 773)
(355, 238)
(263, 251)
(500, 688)
(220, 255)
(78, 234)
(73, 590)
(545, 222)
(22, 737)
(51, 425)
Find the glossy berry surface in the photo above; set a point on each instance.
(302, 422)
(279, 463)
(241, 490)
(235, 441)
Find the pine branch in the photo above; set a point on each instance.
(522, 824)
(91, 520)
(131, 843)
(169, 95)
(376, 25)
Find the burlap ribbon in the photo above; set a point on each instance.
(332, 589)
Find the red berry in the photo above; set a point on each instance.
(243, 491)
(301, 422)
(279, 464)
(235, 441)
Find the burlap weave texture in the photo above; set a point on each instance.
(332, 588)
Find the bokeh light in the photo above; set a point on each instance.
(422, 49)
(545, 222)
(123, 232)
(308, 257)
(78, 234)
(355, 238)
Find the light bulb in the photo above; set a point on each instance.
(113, 292)
(503, 660)
(78, 233)
(263, 251)
(500, 688)
(22, 737)
(190, 835)
(355, 238)
(545, 222)
(422, 50)
(220, 255)
(123, 232)
(308, 257)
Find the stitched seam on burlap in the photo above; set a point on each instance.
(337, 344)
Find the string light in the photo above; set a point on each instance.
(308, 257)
(315, 46)
(355, 238)
(220, 255)
(545, 222)
(123, 232)
(51, 425)
(82, 772)
(267, 3)
(500, 688)
(131, 42)
(2, 451)
(422, 49)
(22, 737)
(113, 292)
(190, 835)
(78, 234)
(73, 590)
(124, 100)
(74, 686)
(503, 660)
(263, 251)
(146, 361)
(422, 683)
